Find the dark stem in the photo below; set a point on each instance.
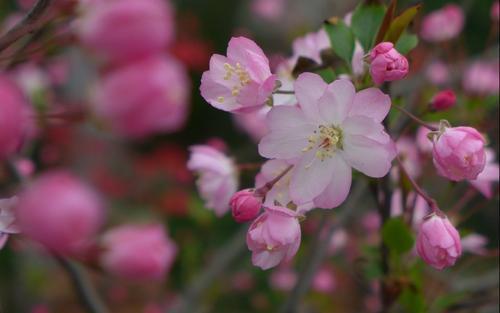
(262, 191)
(83, 288)
(27, 25)
(416, 119)
(284, 92)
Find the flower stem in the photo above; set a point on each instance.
(262, 191)
(416, 119)
(284, 92)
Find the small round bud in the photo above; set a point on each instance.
(245, 205)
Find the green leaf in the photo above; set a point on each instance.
(406, 43)
(386, 22)
(412, 301)
(341, 38)
(365, 24)
(400, 23)
(397, 236)
(327, 74)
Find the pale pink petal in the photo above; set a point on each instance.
(371, 103)
(216, 94)
(367, 127)
(267, 259)
(3, 240)
(338, 188)
(309, 88)
(251, 56)
(335, 103)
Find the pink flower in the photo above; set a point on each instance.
(268, 9)
(60, 212)
(14, 118)
(481, 78)
(443, 24)
(438, 242)
(138, 252)
(474, 243)
(151, 106)
(310, 46)
(444, 100)
(387, 64)
(324, 280)
(218, 177)
(437, 73)
(273, 237)
(245, 205)
(126, 29)
(495, 11)
(279, 193)
(408, 153)
(7, 219)
(330, 131)
(424, 144)
(488, 176)
(458, 153)
(240, 82)
(283, 278)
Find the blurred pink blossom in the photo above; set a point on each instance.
(485, 180)
(60, 212)
(437, 73)
(128, 29)
(481, 78)
(25, 167)
(7, 219)
(387, 64)
(443, 100)
(268, 9)
(283, 278)
(438, 242)
(241, 82)
(356, 138)
(475, 243)
(274, 237)
(218, 177)
(458, 153)
(150, 106)
(495, 11)
(138, 252)
(407, 151)
(324, 280)
(443, 24)
(310, 46)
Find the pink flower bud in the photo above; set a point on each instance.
(443, 24)
(126, 29)
(387, 64)
(60, 212)
(138, 252)
(245, 205)
(495, 11)
(273, 237)
(14, 118)
(458, 153)
(438, 242)
(151, 105)
(443, 100)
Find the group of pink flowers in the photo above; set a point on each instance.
(316, 137)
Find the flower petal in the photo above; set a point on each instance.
(335, 102)
(371, 102)
(338, 188)
(309, 88)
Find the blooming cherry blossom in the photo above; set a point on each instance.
(7, 219)
(488, 176)
(332, 130)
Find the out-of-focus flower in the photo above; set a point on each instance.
(324, 280)
(60, 212)
(242, 281)
(193, 52)
(14, 118)
(420, 206)
(338, 241)
(283, 278)
(128, 29)
(7, 219)
(279, 193)
(331, 131)
(150, 106)
(407, 151)
(495, 11)
(268, 9)
(358, 61)
(438, 242)
(444, 100)
(138, 252)
(242, 81)
(481, 78)
(424, 144)
(458, 153)
(371, 221)
(488, 176)
(387, 64)
(25, 167)
(310, 46)
(274, 237)
(474, 243)
(437, 73)
(443, 24)
(218, 177)
(245, 205)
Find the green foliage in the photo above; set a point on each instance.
(445, 301)
(400, 23)
(397, 236)
(341, 38)
(327, 74)
(406, 42)
(412, 300)
(366, 21)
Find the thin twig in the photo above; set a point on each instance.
(284, 92)
(83, 288)
(27, 25)
(190, 299)
(416, 119)
(318, 250)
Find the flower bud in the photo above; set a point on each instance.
(60, 212)
(387, 64)
(245, 205)
(443, 100)
(438, 242)
(458, 153)
(138, 252)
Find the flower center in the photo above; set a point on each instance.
(327, 139)
(242, 78)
